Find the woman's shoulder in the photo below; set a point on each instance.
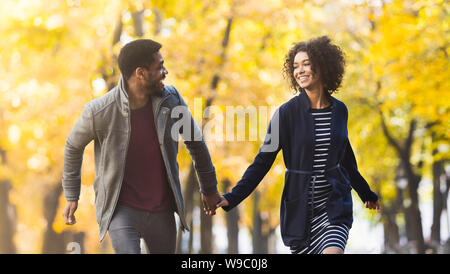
(291, 103)
(339, 103)
(340, 107)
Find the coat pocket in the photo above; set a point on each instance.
(345, 179)
(293, 219)
(340, 201)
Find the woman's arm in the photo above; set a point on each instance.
(259, 168)
(357, 181)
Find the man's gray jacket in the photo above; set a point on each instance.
(106, 120)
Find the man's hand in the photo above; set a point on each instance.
(209, 202)
(373, 205)
(69, 211)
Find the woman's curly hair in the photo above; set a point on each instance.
(325, 57)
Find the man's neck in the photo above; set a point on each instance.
(137, 98)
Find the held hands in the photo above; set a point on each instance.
(213, 201)
(373, 205)
(209, 203)
(69, 211)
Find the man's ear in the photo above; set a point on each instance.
(139, 73)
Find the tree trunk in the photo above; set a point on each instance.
(259, 238)
(191, 238)
(391, 231)
(206, 223)
(413, 185)
(413, 217)
(189, 191)
(65, 242)
(440, 191)
(138, 20)
(107, 70)
(117, 30)
(205, 232)
(256, 231)
(157, 23)
(389, 216)
(402, 196)
(53, 242)
(445, 207)
(232, 220)
(7, 220)
(438, 203)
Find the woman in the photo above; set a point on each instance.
(311, 129)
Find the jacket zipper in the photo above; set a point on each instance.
(328, 156)
(308, 240)
(123, 169)
(126, 152)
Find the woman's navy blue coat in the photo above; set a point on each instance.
(296, 139)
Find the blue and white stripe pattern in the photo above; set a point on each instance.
(323, 234)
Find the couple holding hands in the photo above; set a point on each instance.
(137, 186)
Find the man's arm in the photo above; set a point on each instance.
(202, 162)
(81, 134)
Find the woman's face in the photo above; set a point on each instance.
(303, 73)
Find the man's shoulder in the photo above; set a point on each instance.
(172, 90)
(102, 102)
(174, 95)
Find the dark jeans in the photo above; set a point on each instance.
(129, 225)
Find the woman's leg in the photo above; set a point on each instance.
(335, 239)
(332, 250)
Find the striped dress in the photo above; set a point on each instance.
(323, 234)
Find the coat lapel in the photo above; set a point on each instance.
(334, 127)
(160, 114)
(161, 123)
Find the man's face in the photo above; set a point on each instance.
(154, 76)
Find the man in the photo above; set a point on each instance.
(137, 187)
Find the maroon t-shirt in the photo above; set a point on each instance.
(145, 183)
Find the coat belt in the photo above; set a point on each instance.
(310, 171)
(314, 179)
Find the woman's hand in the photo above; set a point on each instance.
(222, 202)
(373, 205)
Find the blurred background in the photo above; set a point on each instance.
(57, 55)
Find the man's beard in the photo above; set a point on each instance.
(155, 88)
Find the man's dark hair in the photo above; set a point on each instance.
(325, 57)
(138, 53)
